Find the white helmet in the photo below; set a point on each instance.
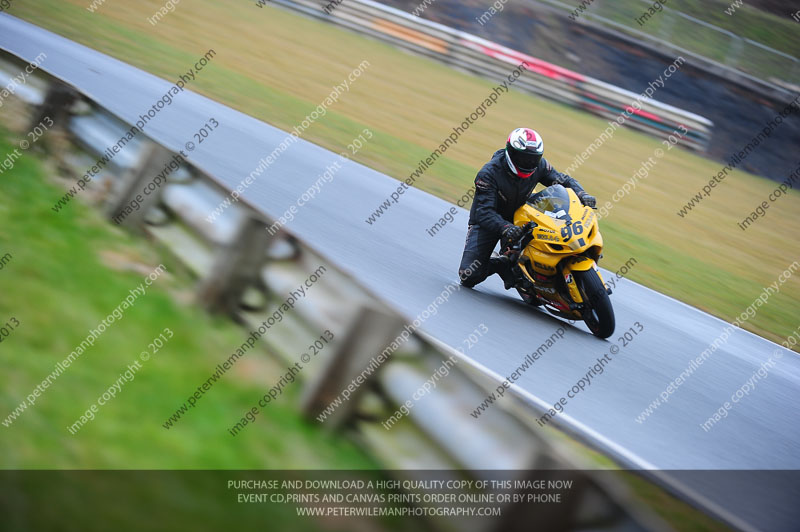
(524, 150)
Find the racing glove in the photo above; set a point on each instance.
(586, 199)
(511, 233)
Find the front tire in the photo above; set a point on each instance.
(599, 314)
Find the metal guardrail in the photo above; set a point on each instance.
(245, 273)
(492, 60)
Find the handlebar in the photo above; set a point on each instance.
(512, 251)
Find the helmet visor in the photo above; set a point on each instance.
(525, 161)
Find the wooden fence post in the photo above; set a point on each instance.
(236, 267)
(57, 106)
(129, 203)
(371, 332)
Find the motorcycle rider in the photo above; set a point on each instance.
(502, 186)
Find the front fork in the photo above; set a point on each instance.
(577, 264)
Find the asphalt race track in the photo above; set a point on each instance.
(397, 259)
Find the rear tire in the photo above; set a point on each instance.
(599, 314)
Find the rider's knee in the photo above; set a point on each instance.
(470, 278)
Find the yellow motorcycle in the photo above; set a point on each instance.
(555, 261)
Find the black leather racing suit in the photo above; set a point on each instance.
(498, 194)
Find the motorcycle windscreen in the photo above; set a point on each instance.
(552, 201)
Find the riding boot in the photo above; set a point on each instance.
(501, 267)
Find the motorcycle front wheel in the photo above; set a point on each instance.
(599, 314)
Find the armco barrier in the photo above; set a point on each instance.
(245, 273)
(489, 59)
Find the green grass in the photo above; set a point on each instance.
(278, 66)
(67, 272)
(59, 285)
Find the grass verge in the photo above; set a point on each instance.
(68, 272)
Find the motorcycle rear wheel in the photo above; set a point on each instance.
(599, 314)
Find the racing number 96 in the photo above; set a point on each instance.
(568, 230)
